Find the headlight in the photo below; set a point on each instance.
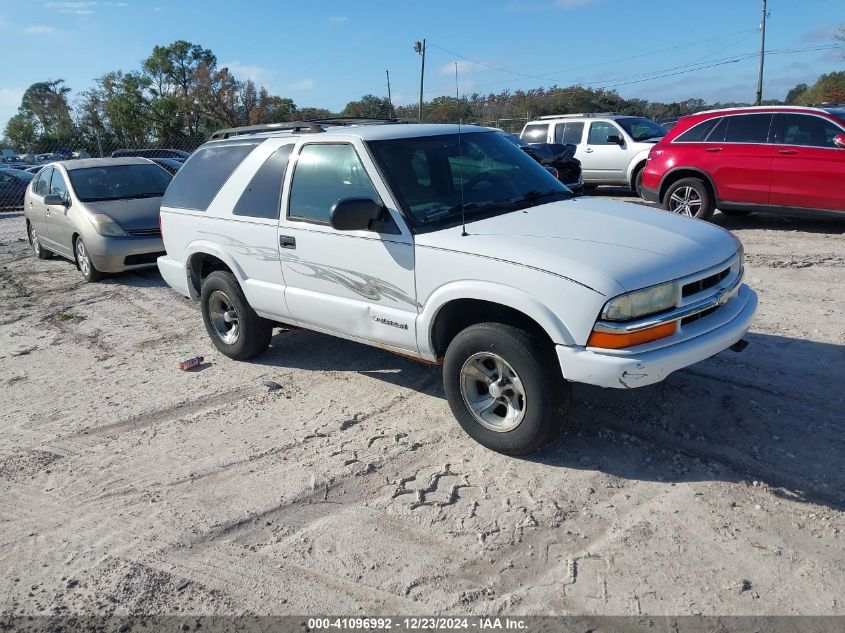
(640, 303)
(106, 226)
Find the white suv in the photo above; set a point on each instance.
(450, 245)
(612, 149)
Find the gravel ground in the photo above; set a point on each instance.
(127, 486)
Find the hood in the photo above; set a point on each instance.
(611, 247)
(130, 214)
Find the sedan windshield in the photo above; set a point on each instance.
(641, 129)
(436, 179)
(117, 182)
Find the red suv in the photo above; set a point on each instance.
(780, 159)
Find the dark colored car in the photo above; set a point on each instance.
(176, 154)
(170, 164)
(554, 156)
(781, 159)
(13, 184)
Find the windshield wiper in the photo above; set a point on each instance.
(536, 194)
(147, 194)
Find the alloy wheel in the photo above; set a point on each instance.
(82, 258)
(224, 317)
(685, 201)
(33, 239)
(493, 392)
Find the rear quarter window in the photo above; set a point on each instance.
(204, 174)
(536, 133)
(697, 133)
(262, 197)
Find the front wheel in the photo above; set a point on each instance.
(83, 261)
(234, 327)
(689, 197)
(638, 183)
(504, 387)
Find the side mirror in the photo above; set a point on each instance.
(614, 139)
(52, 199)
(357, 214)
(839, 140)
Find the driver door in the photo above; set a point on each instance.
(357, 284)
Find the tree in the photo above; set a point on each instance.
(369, 106)
(22, 132)
(794, 96)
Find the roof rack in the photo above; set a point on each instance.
(293, 126)
(585, 115)
(310, 126)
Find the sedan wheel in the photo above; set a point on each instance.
(37, 248)
(83, 260)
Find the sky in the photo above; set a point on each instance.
(327, 53)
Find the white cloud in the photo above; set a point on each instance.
(258, 74)
(305, 84)
(73, 8)
(40, 29)
(338, 19)
(464, 66)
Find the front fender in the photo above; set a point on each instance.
(495, 293)
(638, 159)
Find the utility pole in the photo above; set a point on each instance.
(762, 55)
(419, 47)
(389, 100)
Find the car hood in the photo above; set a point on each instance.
(611, 247)
(131, 213)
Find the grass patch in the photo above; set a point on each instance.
(67, 315)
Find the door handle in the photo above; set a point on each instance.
(287, 241)
(787, 151)
(589, 150)
(713, 149)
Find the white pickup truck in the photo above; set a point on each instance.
(450, 245)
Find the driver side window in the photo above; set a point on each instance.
(324, 174)
(42, 185)
(57, 184)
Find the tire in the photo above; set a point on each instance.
(477, 358)
(690, 197)
(638, 183)
(84, 262)
(35, 243)
(735, 212)
(234, 327)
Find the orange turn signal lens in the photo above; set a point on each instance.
(618, 341)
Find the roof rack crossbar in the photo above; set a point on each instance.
(292, 126)
(585, 115)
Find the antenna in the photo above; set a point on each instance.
(460, 157)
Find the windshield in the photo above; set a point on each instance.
(116, 182)
(514, 139)
(429, 173)
(641, 129)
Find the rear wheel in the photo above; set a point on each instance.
(689, 197)
(505, 388)
(83, 261)
(35, 242)
(234, 327)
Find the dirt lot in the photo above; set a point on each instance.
(127, 486)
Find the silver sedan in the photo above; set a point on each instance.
(101, 213)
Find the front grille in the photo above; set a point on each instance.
(703, 284)
(143, 258)
(154, 232)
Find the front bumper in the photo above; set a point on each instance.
(650, 195)
(116, 254)
(626, 369)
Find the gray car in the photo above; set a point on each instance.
(101, 213)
